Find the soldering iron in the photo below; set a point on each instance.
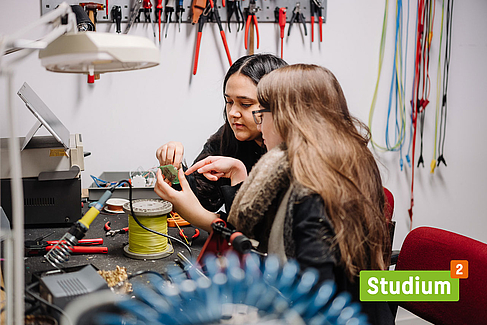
(61, 251)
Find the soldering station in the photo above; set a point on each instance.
(114, 252)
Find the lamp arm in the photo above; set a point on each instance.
(15, 40)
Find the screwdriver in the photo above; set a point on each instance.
(282, 24)
(158, 16)
(179, 13)
(169, 10)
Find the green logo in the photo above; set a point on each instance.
(408, 286)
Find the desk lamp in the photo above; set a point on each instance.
(63, 49)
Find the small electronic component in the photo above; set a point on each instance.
(170, 173)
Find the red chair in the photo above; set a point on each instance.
(427, 248)
(389, 205)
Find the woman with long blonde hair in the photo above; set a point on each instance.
(316, 196)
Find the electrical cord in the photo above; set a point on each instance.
(145, 272)
(45, 302)
(146, 228)
(446, 70)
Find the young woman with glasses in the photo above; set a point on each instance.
(316, 196)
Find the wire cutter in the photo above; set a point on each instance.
(298, 17)
(112, 232)
(183, 235)
(210, 14)
(316, 9)
(251, 18)
(235, 7)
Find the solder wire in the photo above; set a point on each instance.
(146, 228)
(143, 242)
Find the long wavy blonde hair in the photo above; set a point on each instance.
(328, 154)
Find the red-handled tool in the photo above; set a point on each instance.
(251, 19)
(41, 247)
(84, 250)
(210, 13)
(316, 9)
(189, 239)
(282, 25)
(81, 242)
(158, 15)
(113, 232)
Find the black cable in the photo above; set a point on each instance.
(145, 272)
(146, 228)
(425, 68)
(45, 302)
(446, 69)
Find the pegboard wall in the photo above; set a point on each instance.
(264, 15)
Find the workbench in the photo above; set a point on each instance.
(115, 244)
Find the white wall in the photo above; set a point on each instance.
(124, 117)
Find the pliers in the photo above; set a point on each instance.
(39, 246)
(250, 12)
(316, 9)
(210, 14)
(235, 7)
(112, 232)
(189, 239)
(297, 16)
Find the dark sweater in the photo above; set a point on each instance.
(209, 192)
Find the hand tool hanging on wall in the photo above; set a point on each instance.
(134, 13)
(158, 15)
(147, 9)
(179, 13)
(280, 16)
(197, 8)
(298, 17)
(235, 7)
(250, 12)
(83, 21)
(210, 14)
(316, 9)
(117, 18)
(92, 8)
(170, 4)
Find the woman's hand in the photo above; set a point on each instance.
(170, 153)
(215, 167)
(184, 202)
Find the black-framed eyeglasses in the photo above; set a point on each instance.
(257, 115)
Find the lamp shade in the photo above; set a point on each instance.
(88, 52)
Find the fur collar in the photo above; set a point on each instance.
(268, 180)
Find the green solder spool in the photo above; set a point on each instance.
(144, 244)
